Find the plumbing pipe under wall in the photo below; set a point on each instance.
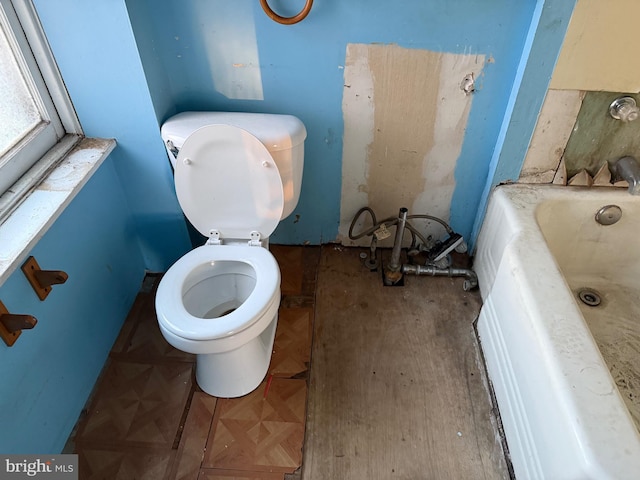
(470, 282)
(393, 272)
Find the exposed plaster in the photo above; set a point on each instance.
(555, 124)
(405, 117)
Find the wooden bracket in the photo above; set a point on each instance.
(42, 280)
(11, 325)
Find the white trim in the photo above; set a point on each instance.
(32, 218)
(24, 165)
(11, 199)
(28, 17)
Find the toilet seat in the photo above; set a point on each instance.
(228, 184)
(193, 267)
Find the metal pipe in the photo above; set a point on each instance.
(392, 221)
(393, 273)
(470, 282)
(628, 168)
(397, 244)
(372, 262)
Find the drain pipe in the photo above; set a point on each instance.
(393, 272)
(470, 282)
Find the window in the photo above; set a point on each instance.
(38, 125)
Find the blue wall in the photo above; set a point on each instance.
(48, 373)
(97, 55)
(125, 220)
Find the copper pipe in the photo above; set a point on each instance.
(287, 20)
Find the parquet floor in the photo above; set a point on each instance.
(149, 420)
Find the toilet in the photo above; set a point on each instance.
(236, 176)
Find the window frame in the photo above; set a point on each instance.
(33, 157)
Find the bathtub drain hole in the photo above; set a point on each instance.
(589, 297)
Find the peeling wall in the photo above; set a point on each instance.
(405, 116)
(597, 56)
(554, 127)
(575, 132)
(597, 138)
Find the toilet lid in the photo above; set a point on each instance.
(226, 180)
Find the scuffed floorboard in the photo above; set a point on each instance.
(397, 389)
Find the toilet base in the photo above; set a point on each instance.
(237, 372)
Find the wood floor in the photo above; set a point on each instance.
(392, 388)
(397, 385)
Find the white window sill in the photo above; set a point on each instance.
(28, 223)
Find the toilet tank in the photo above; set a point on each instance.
(282, 135)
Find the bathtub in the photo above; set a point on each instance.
(566, 375)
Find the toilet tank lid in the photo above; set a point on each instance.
(275, 131)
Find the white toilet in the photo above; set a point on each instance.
(237, 175)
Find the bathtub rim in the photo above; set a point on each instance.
(511, 220)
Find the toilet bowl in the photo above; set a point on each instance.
(222, 304)
(220, 301)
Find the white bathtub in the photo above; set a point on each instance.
(564, 416)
